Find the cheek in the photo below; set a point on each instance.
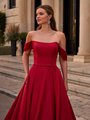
(45, 18)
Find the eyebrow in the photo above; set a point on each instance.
(38, 12)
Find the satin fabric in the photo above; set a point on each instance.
(43, 95)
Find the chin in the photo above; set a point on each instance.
(39, 23)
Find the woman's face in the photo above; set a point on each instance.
(41, 16)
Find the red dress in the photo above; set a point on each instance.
(43, 95)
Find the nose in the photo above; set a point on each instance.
(38, 16)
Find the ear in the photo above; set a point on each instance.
(50, 16)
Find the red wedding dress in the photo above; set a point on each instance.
(43, 95)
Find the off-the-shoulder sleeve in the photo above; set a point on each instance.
(62, 53)
(28, 46)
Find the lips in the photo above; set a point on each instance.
(38, 20)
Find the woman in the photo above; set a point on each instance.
(44, 93)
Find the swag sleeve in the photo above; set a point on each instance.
(28, 46)
(62, 53)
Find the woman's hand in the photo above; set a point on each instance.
(66, 86)
(25, 76)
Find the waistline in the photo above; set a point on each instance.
(45, 65)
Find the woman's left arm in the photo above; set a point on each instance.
(63, 58)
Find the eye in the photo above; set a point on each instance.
(40, 13)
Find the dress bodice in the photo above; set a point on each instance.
(45, 53)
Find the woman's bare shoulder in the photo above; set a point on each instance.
(29, 36)
(60, 33)
(61, 36)
(31, 33)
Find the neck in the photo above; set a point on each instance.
(45, 28)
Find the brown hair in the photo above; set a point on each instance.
(49, 11)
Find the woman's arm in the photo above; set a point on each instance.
(25, 56)
(63, 62)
